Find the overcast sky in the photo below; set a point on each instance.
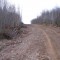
(32, 8)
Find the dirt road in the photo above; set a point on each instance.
(40, 43)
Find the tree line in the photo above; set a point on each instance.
(48, 17)
(10, 20)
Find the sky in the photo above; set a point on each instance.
(30, 9)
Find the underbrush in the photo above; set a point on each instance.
(13, 32)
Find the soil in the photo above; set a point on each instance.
(37, 42)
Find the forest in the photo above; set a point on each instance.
(51, 17)
(10, 20)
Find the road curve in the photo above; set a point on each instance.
(38, 44)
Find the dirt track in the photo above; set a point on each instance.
(40, 43)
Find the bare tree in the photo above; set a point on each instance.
(10, 20)
(49, 17)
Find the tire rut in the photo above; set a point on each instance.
(49, 47)
(55, 40)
